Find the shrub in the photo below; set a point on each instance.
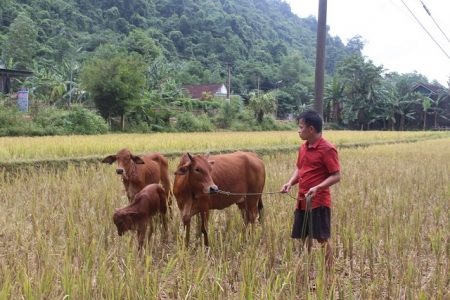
(188, 122)
(84, 121)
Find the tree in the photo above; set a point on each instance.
(20, 45)
(262, 104)
(137, 41)
(334, 97)
(114, 84)
(363, 83)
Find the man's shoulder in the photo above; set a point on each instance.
(326, 144)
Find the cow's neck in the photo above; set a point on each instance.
(133, 169)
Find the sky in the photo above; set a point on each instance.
(395, 34)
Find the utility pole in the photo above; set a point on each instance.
(258, 87)
(320, 57)
(71, 78)
(229, 82)
(276, 99)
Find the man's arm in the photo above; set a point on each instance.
(293, 181)
(332, 179)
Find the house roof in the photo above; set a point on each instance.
(196, 91)
(15, 73)
(433, 89)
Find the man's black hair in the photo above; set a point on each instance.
(311, 118)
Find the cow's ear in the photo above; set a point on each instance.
(109, 159)
(183, 169)
(211, 162)
(137, 160)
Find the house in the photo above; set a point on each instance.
(442, 96)
(201, 92)
(428, 90)
(6, 75)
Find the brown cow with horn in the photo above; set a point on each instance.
(200, 179)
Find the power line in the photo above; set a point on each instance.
(428, 12)
(426, 30)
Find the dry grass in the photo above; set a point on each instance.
(390, 235)
(41, 148)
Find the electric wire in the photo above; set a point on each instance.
(428, 12)
(426, 30)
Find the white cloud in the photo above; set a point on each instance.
(394, 38)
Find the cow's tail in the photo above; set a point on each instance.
(260, 207)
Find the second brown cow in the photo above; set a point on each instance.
(201, 179)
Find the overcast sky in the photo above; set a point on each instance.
(393, 37)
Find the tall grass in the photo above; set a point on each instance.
(38, 148)
(390, 236)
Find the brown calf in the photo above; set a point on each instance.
(138, 214)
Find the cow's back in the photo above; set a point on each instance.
(155, 167)
(236, 173)
(154, 170)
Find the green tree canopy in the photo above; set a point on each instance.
(20, 45)
(114, 83)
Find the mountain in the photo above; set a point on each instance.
(261, 40)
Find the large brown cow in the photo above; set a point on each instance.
(137, 172)
(138, 214)
(200, 179)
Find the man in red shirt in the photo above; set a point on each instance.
(317, 169)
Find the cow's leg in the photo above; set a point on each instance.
(166, 185)
(252, 208)
(141, 236)
(187, 229)
(199, 227)
(205, 217)
(151, 229)
(244, 211)
(164, 232)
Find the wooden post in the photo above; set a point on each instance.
(320, 57)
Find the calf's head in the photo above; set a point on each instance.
(124, 160)
(199, 170)
(123, 221)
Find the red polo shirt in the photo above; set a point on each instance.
(315, 164)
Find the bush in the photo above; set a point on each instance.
(84, 121)
(226, 116)
(78, 120)
(188, 122)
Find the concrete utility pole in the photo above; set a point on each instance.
(229, 82)
(320, 57)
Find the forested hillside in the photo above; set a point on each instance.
(257, 37)
(127, 56)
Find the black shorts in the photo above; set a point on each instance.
(321, 223)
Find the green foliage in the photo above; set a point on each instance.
(188, 122)
(227, 114)
(114, 83)
(20, 45)
(78, 120)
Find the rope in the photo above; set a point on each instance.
(251, 194)
(308, 218)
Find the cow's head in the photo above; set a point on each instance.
(199, 169)
(123, 221)
(124, 159)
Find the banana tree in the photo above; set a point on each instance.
(262, 104)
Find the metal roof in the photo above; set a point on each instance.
(15, 73)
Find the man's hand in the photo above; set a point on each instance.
(285, 188)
